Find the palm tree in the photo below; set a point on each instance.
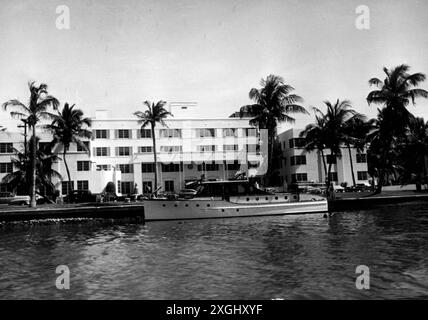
(20, 179)
(155, 113)
(331, 130)
(35, 111)
(69, 126)
(395, 93)
(274, 103)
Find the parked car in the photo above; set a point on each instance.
(12, 199)
(338, 189)
(187, 193)
(359, 187)
(80, 196)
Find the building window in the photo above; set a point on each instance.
(333, 176)
(102, 151)
(101, 134)
(253, 148)
(233, 166)
(297, 143)
(6, 148)
(82, 185)
(103, 167)
(4, 187)
(123, 134)
(6, 167)
(208, 166)
(147, 167)
(170, 133)
(362, 175)
(126, 168)
(126, 187)
(169, 185)
(297, 160)
(230, 147)
(123, 151)
(361, 158)
(229, 132)
(67, 187)
(203, 133)
(299, 177)
(172, 167)
(145, 133)
(147, 187)
(207, 148)
(119, 186)
(331, 159)
(80, 148)
(250, 132)
(145, 149)
(171, 149)
(83, 165)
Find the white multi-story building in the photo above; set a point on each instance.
(302, 167)
(121, 152)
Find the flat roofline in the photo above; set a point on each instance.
(171, 119)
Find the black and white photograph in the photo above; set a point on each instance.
(248, 151)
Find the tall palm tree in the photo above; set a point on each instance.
(20, 179)
(331, 130)
(154, 114)
(395, 93)
(35, 111)
(69, 126)
(274, 103)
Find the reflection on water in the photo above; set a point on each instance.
(286, 257)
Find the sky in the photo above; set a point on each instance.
(117, 54)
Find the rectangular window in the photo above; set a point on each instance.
(67, 187)
(145, 149)
(171, 167)
(203, 133)
(169, 185)
(333, 176)
(147, 187)
(170, 133)
(229, 132)
(101, 134)
(102, 152)
(82, 185)
(4, 187)
(361, 158)
(126, 168)
(147, 167)
(103, 167)
(250, 132)
(123, 134)
(123, 151)
(80, 148)
(252, 148)
(119, 186)
(362, 175)
(230, 147)
(171, 149)
(297, 143)
(6, 148)
(233, 166)
(297, 160)
(83, 165)
(6, 167)
(126, 187)
(299, 177)
(145, 133)
(208, 166)
(207, 148)
(331, 159)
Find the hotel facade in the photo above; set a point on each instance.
(121, 152)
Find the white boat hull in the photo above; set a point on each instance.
(209, 208)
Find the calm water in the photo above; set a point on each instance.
(255, 258)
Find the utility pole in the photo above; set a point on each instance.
(25, 134)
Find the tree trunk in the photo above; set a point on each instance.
(323, 162)
(271, 139)
(379, 183)
(70, 185)
(352, 164)
(328, 182)
(33, 202)
(155, 159)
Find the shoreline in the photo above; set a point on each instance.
(135, 211)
